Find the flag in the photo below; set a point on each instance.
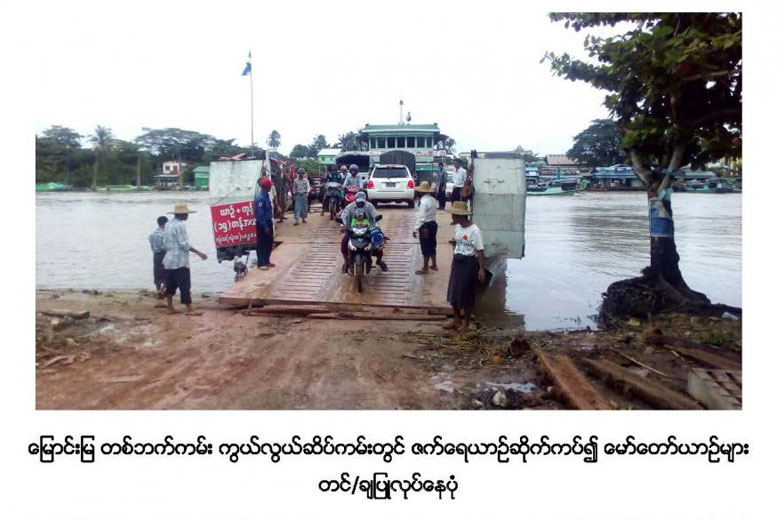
(248, 67)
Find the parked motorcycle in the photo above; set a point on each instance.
(363, 241)
(333, 197)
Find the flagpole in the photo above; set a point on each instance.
(251, 106)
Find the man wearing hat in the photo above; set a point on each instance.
(301, 189)
(425, 226)
(177, 259)
(264, 218)
(346, 219)
(468, 266)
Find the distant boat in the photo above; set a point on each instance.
(52, 186)
(555, 188)
(714, 186)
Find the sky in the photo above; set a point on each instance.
(326, 67)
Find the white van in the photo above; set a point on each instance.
(390, 183)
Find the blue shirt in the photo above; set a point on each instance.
(353, 181)
(157, 240)
(264, 211)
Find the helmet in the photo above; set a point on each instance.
(353, 167)
(265, 182)
(301, 170)
(377, 237)
(360, 196)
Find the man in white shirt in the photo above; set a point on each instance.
(425, 226)
(458, 180)
(468, 267)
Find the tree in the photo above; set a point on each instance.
(318, 144)
(598, 145)
(528, 156)
(222, 148)
(102, 140)
(55, 150)
(348, 142)
(674, 85)
(447, 144)
(274, 139)
(299, 151)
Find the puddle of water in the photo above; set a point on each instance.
(523, 388)
(443, 382)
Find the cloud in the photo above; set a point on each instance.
(317, 69)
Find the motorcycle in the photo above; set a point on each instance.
(349, 194)
(333, 196)
(363, 241)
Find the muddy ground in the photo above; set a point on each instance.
(130, 354)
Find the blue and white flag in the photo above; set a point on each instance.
(248, 67)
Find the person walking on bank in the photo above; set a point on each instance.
(441, 186)
(264, 219)
(301, 189)
(157, 241)
(425, 226)
(468, 267)
(177, 259)
(458, 180)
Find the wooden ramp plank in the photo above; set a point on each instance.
(707, 358)
(308, 269)
(653, 393)
(572, 384)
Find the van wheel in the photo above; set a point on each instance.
(410, 203)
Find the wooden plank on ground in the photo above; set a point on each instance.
(716, 389)
(293, 310)
(653, 393)
(707, 358)
(76, 315)
(376, 316)
(572, 385)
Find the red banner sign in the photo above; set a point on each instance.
(234, 224)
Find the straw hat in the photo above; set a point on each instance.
(459, 208)
(179, 208)
(424, 187)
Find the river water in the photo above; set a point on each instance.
(575, 247)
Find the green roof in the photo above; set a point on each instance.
(400, 128)
(201, 169)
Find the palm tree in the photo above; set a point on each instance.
(449, 144)
(274, 139)
(348, 142)
(103, 140)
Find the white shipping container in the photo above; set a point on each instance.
(499, 204)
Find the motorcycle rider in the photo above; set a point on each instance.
(342, 174)
(353, 179)
(346, 219)
(333, 176)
